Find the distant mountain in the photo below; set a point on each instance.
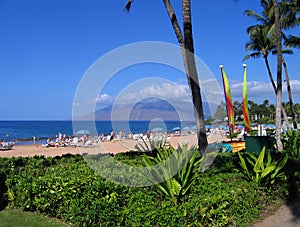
(147, 109)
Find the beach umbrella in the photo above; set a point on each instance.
(176, 129)
(82, 132)
(208, 126)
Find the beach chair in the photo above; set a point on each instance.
(6, 146)
(95, 142)
(74, 142)
(88, 143)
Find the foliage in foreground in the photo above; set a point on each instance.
(67, 188)
(263, 169)
(291, 143)
(174, 170)
(291, 146)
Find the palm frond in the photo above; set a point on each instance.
(255, 15)
(288, 51)
(128, 5)
(292, 41)
(255, 55)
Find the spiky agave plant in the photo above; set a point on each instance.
(174, 171)
(262, 169)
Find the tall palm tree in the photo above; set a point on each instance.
(279, 75)
(289, 15)
(282, 17)
(185, 40)
(262, 43)
(291, 10)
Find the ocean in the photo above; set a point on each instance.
(22, 132)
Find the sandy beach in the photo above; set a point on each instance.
(112, 147)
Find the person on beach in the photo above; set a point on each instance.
(121, 135)
(60, 137)
(48, 143)
(112, 135)
(101, 137)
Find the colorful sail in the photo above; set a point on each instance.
(245, 103)
(228, 99)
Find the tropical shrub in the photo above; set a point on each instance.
(264, 169)
(291, 146)
(66, 187)
(174, 171)
(291, 143)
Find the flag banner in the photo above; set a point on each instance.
(228, 98)
(245, 104)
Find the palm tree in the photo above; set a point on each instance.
(279, 75)
(262, 43)
(289, 90)
(291, 10)
(286, 18)
(185, 40)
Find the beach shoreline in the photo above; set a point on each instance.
(109, 147)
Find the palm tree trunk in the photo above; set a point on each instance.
(279, 75)
(174, 23)
(270, 73)
(284, 114)
(289, 90)
(192, 75)
(187, 49)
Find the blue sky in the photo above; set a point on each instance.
(46, 46)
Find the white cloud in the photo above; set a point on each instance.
(258, 90)
(165, 91)
(254, 88)
(175, 91)
(102, 99)
(295, 86)
(212, 91)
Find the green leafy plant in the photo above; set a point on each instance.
(174, 171)
(262, 169)
(67, 188)
(291, 146)
(291, 143)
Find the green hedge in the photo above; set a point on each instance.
(67, 188)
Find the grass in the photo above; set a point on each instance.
(16, 217)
